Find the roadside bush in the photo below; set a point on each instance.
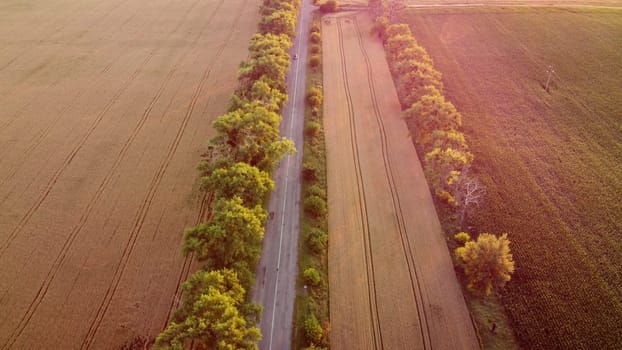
(314, 61)
(315, 49)
(462, 237)
(315, 206)
(315, 27)
(309, 171)
(311, 276)
(312, 129)
(315, 38)
(314, 97)
(329, 6)
(315, 113)
(316, 190)
(317, 240)
(487, 262)
(313, 330)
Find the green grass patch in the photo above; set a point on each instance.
(550, 161)
(312, 253)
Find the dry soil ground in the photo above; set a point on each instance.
(392, 283)
(105, 107)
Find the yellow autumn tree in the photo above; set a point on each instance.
(487, 262)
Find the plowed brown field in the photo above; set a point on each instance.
(392, 283)
(105, 107)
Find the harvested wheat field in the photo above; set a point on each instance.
(105, 107)
(392, 283)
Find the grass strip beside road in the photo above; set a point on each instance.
(312, 300)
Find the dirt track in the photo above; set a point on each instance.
(105, 107)
(392, 282)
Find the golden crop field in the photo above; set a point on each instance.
(551, 161)
(105, 109)
(392, 284)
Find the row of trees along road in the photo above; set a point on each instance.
(447, 160)
(215, 311)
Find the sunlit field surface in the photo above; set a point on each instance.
(551, 162)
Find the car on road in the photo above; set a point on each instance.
(295, 57)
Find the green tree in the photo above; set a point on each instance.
(396, 44)
(432, 113)
(233, 235)
(314, 97)
(380, 26)
(315, 38)
(279, 22)
(313, 330)
(314, 61)
(251, 134)
(312, 129)
(443, 168)
(240, 179)
(487, 262)
(329, 6)
(311, 276)
(317, 240)
(315, 206)
(445, 139)
(271, 96)
(209, 315)
(416, 53)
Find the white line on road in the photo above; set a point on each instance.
(291, 128)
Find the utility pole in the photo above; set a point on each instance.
(550, 72)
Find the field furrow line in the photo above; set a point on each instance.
(153, 188)
(42, 135)
(202, 216)
(70, 157)
(91, 205)
(373, 302)
(56, 31)
(407, 247)
(38, 139)
(60, 258)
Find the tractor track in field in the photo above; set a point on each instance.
(54, 32)
(203, 215)
(407, 247)
(369, 265)
(70, 157)
(121, 155)
(406, 244)
(38, 139)
(153, 188)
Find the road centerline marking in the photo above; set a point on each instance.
(291, 128)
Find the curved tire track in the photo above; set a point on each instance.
(407, 247)
(371, 283)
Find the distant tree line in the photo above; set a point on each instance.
(215, 311)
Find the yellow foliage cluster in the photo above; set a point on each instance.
(487, 262)
(238, 166)
(436, 120)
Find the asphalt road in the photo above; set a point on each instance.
(275, 287)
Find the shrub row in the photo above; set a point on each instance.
(215, 311)
(312, 306)
(435, 121)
